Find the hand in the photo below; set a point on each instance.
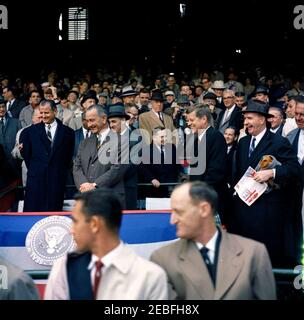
(20, 146)
(84, 187)
(263, 175)
(155, 183)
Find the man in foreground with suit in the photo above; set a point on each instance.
(103, 267)
(207, 262)
(16, 284)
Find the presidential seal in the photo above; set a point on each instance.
(50, 239)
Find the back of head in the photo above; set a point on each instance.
(104, 204)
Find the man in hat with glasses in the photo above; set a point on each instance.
(266, 220)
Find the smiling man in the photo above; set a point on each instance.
(266, 219)
(207, 262)
(96, 164)
(47, 151)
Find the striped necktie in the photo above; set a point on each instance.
(252, 146)
(49, 134)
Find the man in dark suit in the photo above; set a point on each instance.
(81, 134)
(13, 105)
(8, 131)
(231, 116)
(207, 262)
(47, 151)
(268, 219)
(277, 120)
(97, 162)
(159, 165)
(211, 150)
(296, 138)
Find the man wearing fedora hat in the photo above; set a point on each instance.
(96, 162)
(117, 119)
(128, 95)
(266, 220)
(218, 87)
(155, 118)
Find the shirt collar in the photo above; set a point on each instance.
(259, 137)
(108, 259)
(210, 244)
(102, 135)
(53, 124)
(200, 136)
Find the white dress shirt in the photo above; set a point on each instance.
(52, 129)
(84, 131)
(201, 135)
(301, 147)
(258, 138)
(211, 245)
(102, 135)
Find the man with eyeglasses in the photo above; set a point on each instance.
(231, 116)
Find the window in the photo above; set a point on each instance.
(78, 24)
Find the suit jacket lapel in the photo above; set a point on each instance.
(42, 134)
(156, 118)
(296, 141)
(195, 269)
(59, 134)
(230, 262)
(258, 151)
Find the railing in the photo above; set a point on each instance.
(284, 282)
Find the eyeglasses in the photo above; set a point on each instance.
(225, 98)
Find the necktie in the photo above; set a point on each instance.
(226, 116)
(87, 134)
(161, 117)
(98, 141)
(49, 134)
(204, 253)
(97, 277)
(252, 146)
(9, 106)
(1, 126)
(162, 154)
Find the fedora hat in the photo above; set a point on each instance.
(117, 110)
(218, 84)
(157, 96)
(210, 95)
(261, 89)
(259, 107)
(127, 91)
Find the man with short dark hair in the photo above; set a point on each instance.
(26, 113)
(47, 151)
(277, 120)
(103, 267)
(208, 263)
(13, 105)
